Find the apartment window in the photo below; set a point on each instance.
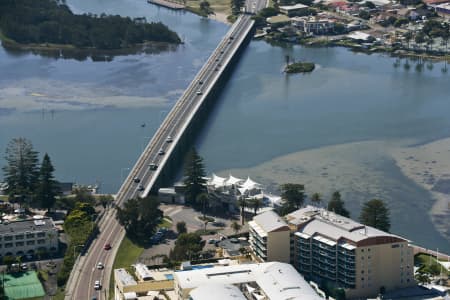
(19, 244)
(30, 235)
(8, 238)
(362, 250)
(395, 246)
(30, 242)
(8, 245)
(362, 272)
(40, 242)
(368, 249)
(368, 257)
(19, 237)
(40, 234)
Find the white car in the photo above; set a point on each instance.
(169, 139)
(199, 92)
(161, 151)
(100, 266)
(97, 285)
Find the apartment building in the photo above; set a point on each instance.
(269, 281)
(361, 259)
(269, 237)
(27, 237)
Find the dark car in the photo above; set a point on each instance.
(107, 246)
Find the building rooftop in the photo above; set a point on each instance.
(143, 272)
(270, 221)
(26, 226)
(274, 279)
(293, 7)
(124, 277)
(220, 292)
(331, 227)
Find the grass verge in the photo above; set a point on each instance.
(127, 254)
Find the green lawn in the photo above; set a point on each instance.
(166, 223)
(429, 264)
(127, 255)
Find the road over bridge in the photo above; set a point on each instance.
(150, 164)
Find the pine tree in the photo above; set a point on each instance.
(375, 213)
(336, 205)
(194, 177)
(21, 171)
(48, 187)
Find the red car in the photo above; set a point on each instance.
(107, 247)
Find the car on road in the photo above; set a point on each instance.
(136, 180)
(141, 188)
(169, 139)
(107, 246)
(221, 51)
(153, 166)
(161, 151)
(100, 266)
(200, 82)
(97, 285)
(199, 92)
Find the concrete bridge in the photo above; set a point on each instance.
(159, 158)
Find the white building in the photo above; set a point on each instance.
(28, 237)
(271, 281)
(269, 237)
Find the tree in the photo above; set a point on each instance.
(375, 213)
(194, 176)
(293, 195)
(181, 227)
(337, 205)
(139, 217)
(363, 14)
(255, 203)
(187, 246)
(48, 187)
(21, 171)
(423, 278)
(82, 194)
(206, 8)
(315, 199)
(236, 227)
(203, 200)
(242, 203)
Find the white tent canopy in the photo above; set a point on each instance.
(233, 180)
(217, 181)
(250, 184)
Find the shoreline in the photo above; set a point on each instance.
(70, 51)
(340, 167)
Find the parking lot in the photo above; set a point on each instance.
(178, 213)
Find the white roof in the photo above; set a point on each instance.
(293, 7)
(124, 277)
(269, 221)
(217, 181)
(276, 280)
(130, 295)
(320, 221)
(233, 180)
(143, 271)
(358, 35)
(220, 292)
(324, 240)
(250, 184)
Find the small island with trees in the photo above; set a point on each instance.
(300, 67)
(50, 24)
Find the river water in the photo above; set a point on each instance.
(332, 129)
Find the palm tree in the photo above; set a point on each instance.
(256, 204)
(203, 198)
(243, 203)
(236, 227)
(315, 199)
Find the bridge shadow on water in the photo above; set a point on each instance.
(174, 166)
